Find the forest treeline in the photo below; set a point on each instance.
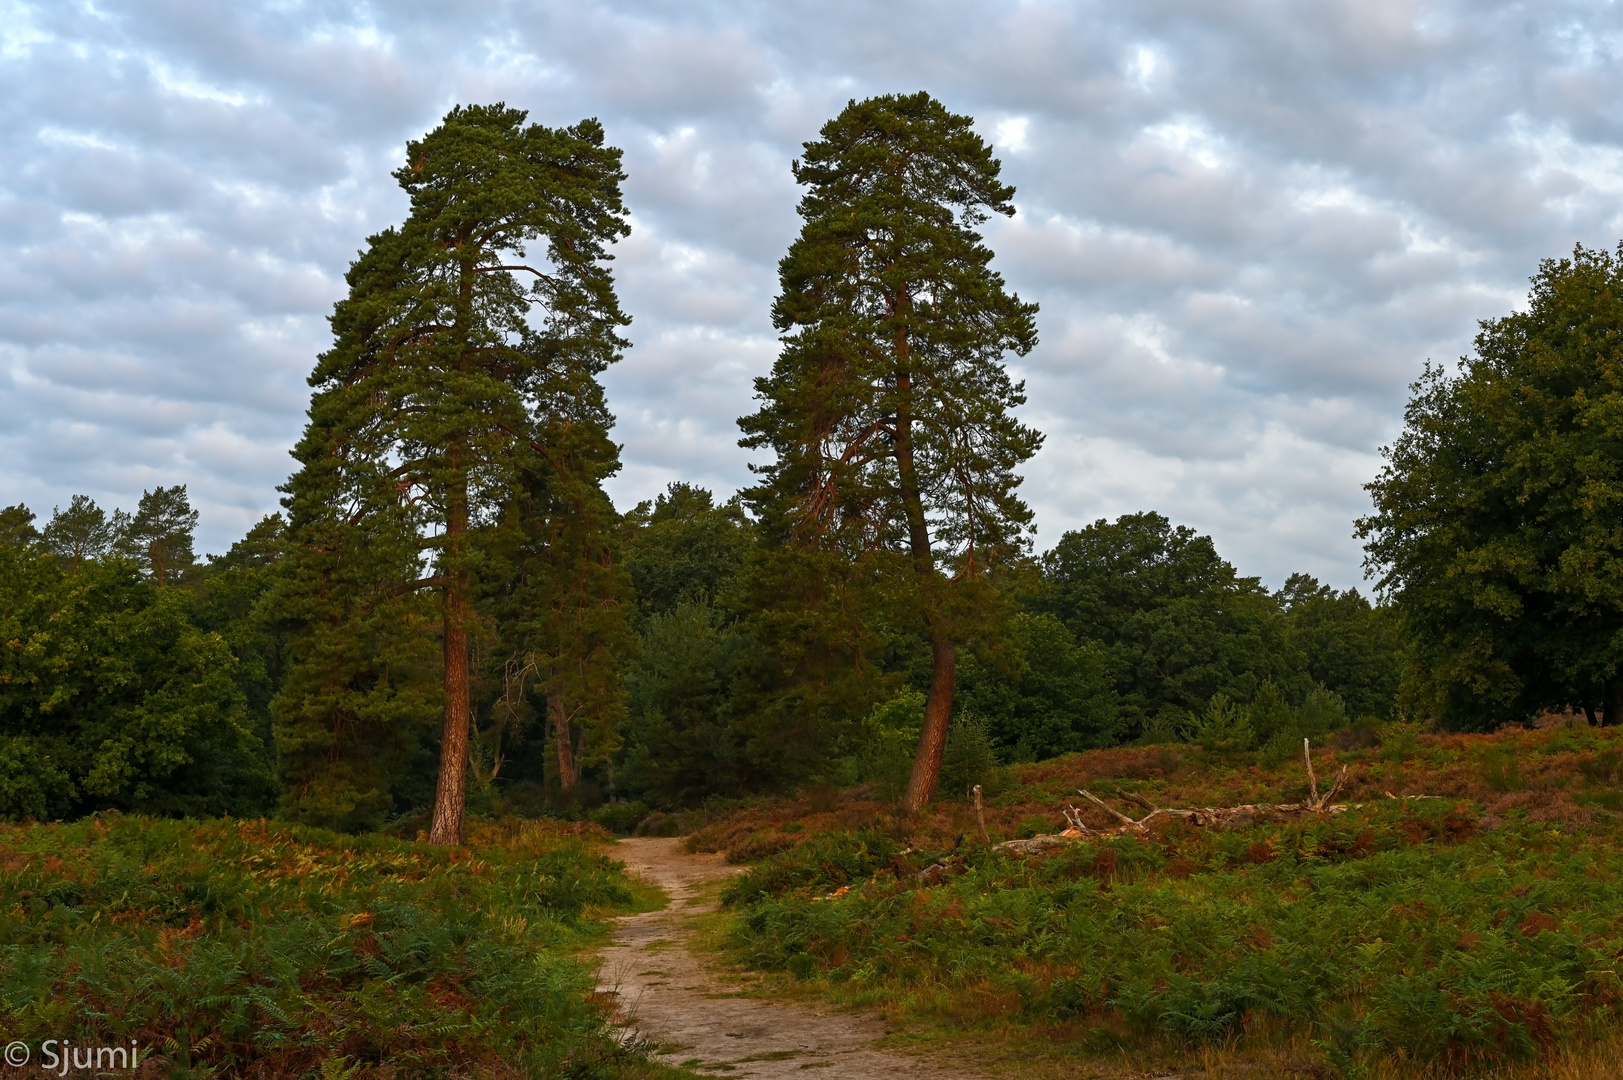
(450, 612)
(145, 679)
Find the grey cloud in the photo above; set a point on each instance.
(1247, 224)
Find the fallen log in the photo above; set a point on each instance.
(1224, 818)
(1218, 817)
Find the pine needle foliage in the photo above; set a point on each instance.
(469, 343)
(889, 411)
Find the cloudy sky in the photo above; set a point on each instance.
(1248, 223)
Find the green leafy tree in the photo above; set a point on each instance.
(1351, 648)
(430, 410)
(1177, 622)
(1048, 695)
(1495, 524)
(683, 546)
(83, 531)
(687, 738)
(889, 409)
(160, 534)
(111, 698)
(228, 596)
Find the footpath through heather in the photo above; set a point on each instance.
(696, 1014)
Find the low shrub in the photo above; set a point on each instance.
(1338, 939)
(241, 948)
(813, 868)
(620, 817)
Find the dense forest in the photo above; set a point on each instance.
(449, 614)
(142, 678)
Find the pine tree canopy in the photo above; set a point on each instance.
(450, 619)
(17, 526)
(889, 409)
(465, 354)
(160, 533)
(83, 531)
(895, 326)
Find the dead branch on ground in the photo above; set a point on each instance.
(1218, 817)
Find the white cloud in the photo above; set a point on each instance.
(1011, 134)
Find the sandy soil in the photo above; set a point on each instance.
(670, 996)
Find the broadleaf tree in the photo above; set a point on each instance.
(1495, 531)
(429, 417)
(889, 408)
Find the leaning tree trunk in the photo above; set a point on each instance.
(1612, 705)
(451, 793)
(926, 773)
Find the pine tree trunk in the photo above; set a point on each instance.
(1612, 706)
(451, 793)
(921, 784)
(563, 738)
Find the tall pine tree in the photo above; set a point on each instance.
(889, 407)
(430, 415)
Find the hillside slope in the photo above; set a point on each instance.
(1478, 928)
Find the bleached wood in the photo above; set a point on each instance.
(1101, 804)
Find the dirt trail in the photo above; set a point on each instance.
(671, 997)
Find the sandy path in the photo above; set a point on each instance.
(672, 998)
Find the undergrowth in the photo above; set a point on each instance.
(1454, 935)
(241, 948)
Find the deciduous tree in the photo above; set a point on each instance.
(1496, 527)
(1176, 620)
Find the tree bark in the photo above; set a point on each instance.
(563, 739)
(451, 792)
(1612, 706)
(921, 784)
(1589, 714)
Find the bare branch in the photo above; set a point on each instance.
(531, 269)
(1100, 803)
(1312, 781)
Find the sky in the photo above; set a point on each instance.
(1248, 224)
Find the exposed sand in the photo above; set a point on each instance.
(670, 996)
